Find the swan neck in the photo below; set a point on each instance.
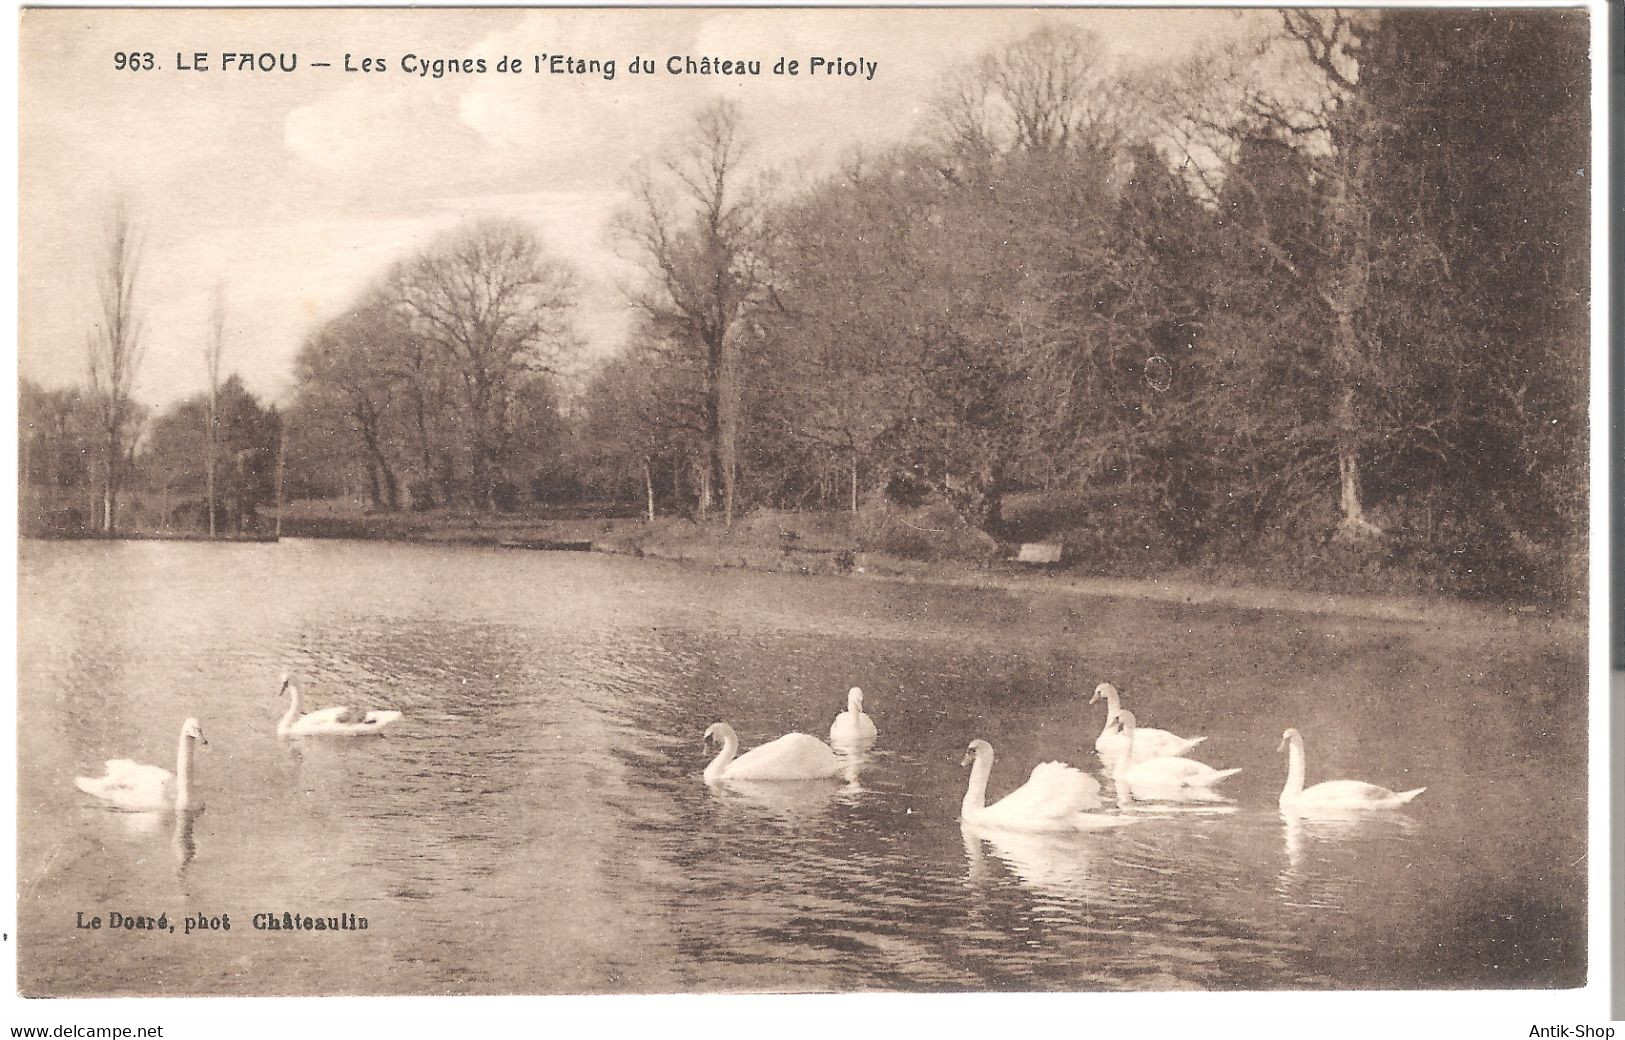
(976, 793)
(293, 710)
(1113, 706)
(719, 765)
(1125, 757)
(1294, 771)
(183, 773)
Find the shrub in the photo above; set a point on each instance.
(931, 532)
(505, 493)
(421, 493)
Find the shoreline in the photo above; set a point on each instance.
(754, 545)
(148, 536)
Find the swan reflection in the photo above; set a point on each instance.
(1311, 878)
(791, 800)
(1057, 865)
(140, 824)
(854, 758)
(182, 841)
(1334, 829)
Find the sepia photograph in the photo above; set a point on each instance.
(611, 501)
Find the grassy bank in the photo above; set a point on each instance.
(928, 546)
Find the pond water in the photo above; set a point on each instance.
(538, 824)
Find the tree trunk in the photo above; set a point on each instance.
(992, 510)
(1347, 299)
(1352, 526)
(110, 494)
(712, 478)
(385, 489)
(421, 414)
(1350, 223)
(213, 450)
(485, 479)
(727, 430)
(448, 479)
(237, 508)
(281, 456)
(649, 489)
(374, 490)
(482, 496)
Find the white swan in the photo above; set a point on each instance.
(1169, 773)
(794, 756)
(1331, 795)
(329, 722)
(1202, 800)
(1149, 743)
(141, 788)
(852, 726)
(1056, 797)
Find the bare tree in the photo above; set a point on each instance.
(345, 368)
(113, 352)
(699, 226)
(1052, 90)
(212, 354)
(496, 305)
(281, 464)
(1331, 41)
(1298, 87)
(426, 382)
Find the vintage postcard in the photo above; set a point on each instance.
(805, 500)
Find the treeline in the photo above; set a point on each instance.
(164, 463)
(439, 386)
(1325, 294)
(94, 460)
(1321, 296)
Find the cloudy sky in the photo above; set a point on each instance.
(295, 190)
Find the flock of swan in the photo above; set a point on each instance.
(137, 787)
(1056, 797)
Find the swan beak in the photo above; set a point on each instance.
(1095, 698)
(1280, 747)
(201, 739)
(970, 757)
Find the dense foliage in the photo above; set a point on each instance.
(1320, 298)
(165, 471)
(437, 384)
(1325, 297)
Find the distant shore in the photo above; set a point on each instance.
(810, 544)
(147, 536)
(824, 544)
